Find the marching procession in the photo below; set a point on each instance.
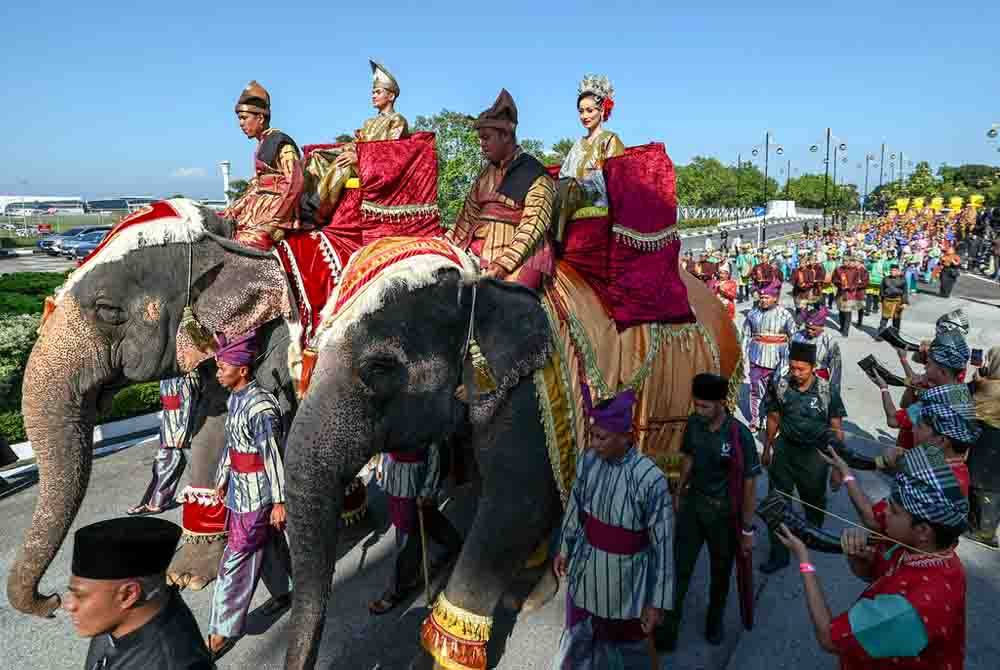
(636, 376)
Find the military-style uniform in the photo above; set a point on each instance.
(805, 420)
(705, 509)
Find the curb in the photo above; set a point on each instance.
(108, 438)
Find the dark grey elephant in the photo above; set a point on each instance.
(117, 322)
(390, 384)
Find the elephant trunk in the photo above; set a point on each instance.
(315, 500)
(59, 411)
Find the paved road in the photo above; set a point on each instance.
(783, 636)
(747, 232)
(35, 263)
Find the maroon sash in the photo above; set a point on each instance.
(612, 539)
(246, 463)
(418, 456)
(744, 564)
(170, 402)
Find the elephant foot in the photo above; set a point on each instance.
(196, 564)
(531, 589)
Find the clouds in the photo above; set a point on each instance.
(189, 172)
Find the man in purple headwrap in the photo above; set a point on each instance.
(616, 548)
(251, 482)
(828, 361)
(767, 330)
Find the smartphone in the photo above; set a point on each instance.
(977, 358)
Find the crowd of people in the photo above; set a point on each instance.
(629, 541)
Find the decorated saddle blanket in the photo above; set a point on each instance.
(657, 360)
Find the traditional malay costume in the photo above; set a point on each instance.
(407, 476)
(851, 280)
(913, 613)
(765, 272)
(828, 360)
(252, 474)
(326, 180)
(726, 289)
(804, 284)
(895, 295)
(805, 418)
(270, 203)
(507, 214)
(745, 262)
(705, 269)
(581, 176)
(128, 548)
(723, 463)
(766, 334)
(616, 536)
(178, 398)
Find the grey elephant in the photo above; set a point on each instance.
(406, 364)
(117, 321)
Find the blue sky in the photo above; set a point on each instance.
(107, 98)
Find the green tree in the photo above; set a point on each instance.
(921, 182)
(237, 188)
(707, 182)
(559, 152)
(344, 137)
(459, 159)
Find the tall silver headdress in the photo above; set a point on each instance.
(597, 85)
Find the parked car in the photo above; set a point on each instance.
(68, 247)
(58, 245)
(86, 244)
(45, 244)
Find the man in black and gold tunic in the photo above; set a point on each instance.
(508, 212)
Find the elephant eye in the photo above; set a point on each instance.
(381, 373)
(110, 313)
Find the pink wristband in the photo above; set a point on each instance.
(806, 567)
(850, 478)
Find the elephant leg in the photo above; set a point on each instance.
(196, 563)
(517, 509)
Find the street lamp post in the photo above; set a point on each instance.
(739, 164)
(864, 200)
(779, 150)
(841, 146)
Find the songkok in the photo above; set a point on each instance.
(953, 320)
(255, 99)
(614, 415)
(124, 548)
(239, 351)
(502, 115)
(802, 351)
(950, 350)
(773, 289)
(382, 78)
(711, 387)
(926, 487)
(951, 421)
(817, 317)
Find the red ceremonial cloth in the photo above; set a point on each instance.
(629, 257)
(613, 539)
(399, 177)
(151, 212)
(403, 514)
(644, 276)
(203, 519)
(418, 456)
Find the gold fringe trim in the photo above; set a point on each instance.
(559, 425)
(370, 208)
(454, 637)
(644, 241)
(735, 381)
(589, 212)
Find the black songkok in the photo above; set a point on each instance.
(707, 386)
(124, 548)
(802, 351)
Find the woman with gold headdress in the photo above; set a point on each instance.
(584, 162)
(269, 204)
(328, 170)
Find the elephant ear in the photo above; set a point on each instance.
(514, 336)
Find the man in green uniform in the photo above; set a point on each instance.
(716, 447)
(803, 410)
